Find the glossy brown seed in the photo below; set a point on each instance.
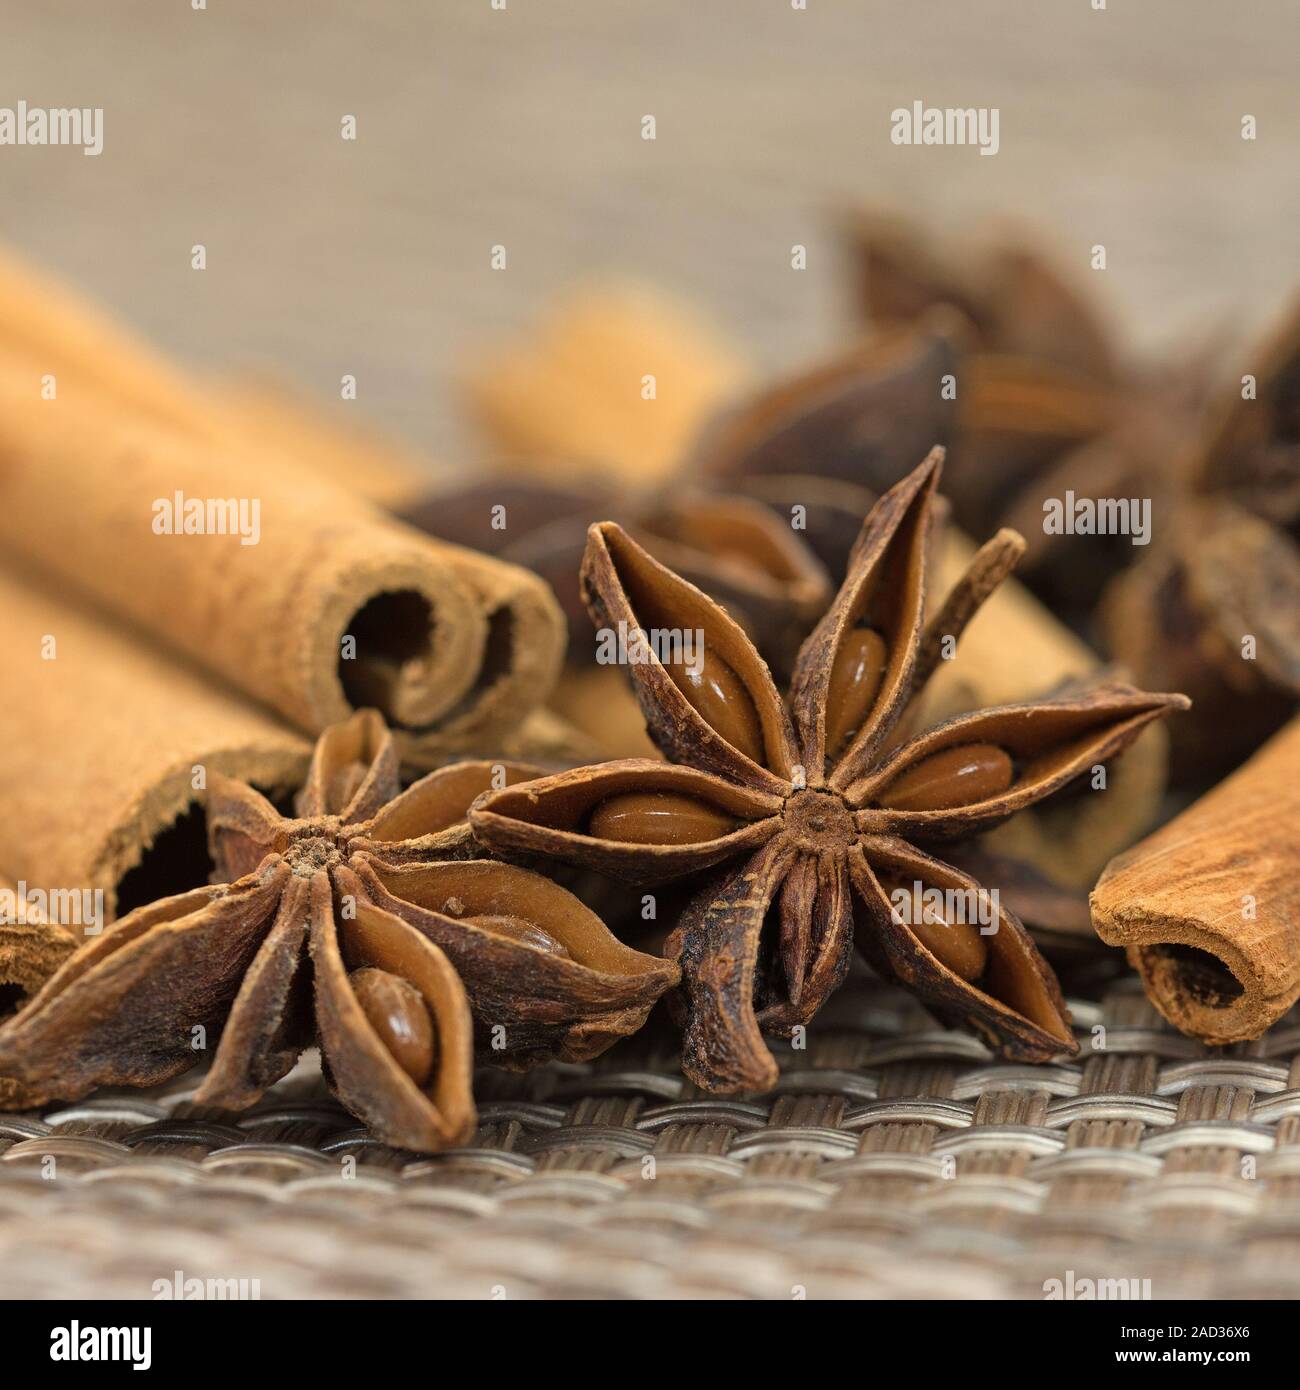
(657, 818)
(720, 697)
(954, 777)
(957, 945)
(519, 929)
(396, 1011)
(855, 681)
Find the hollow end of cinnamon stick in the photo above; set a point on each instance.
(417, 633)
(334, 607)
(127, 431)
(1208, 907)
(522, 656)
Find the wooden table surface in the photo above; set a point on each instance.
(522, 127)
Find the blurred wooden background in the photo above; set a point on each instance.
(522, 127)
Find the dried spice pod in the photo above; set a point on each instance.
(1194, 614)
(1016, 301)
(791, 803)
(31, 946)
(1019, 418)
(826, 513)
(1251, 447)
(732, 547)
(295, 947)
(545, 976)
(862, 418)
(1047, 409)
(1192, 611)
(1131, 462)
(1013, 649)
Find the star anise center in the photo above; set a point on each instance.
(819, 820)
(317, 844)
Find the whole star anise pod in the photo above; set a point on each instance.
(818, 813)
(362, 923)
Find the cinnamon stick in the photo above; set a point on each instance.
(1208, 907)
(614, 378)
(382, 470)
(453, 647)
(107, 751)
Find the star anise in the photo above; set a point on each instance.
(1048, 402)
(1251, 450)
(731, 546)
(1183, 611)
(363, 923)
(818, 815)
(31, 950)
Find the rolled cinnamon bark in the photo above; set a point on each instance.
(43, 319)
(616, 379)
(454, 648)
(107, 751)
(1208, 907)
(76, 339)
(83, 486)
(31, 947)
(380, 469)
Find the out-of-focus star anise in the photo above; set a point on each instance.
(817, 815)
(363, 923)
(1048, 404)
(731, 546)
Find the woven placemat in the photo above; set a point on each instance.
(895, 1159)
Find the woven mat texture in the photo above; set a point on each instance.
(895, 1159)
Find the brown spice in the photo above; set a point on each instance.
(1214, 609)
(733, 547)
(364, 922)
(1045, 402)
(808, 789)
(1208, 907)
(31, 950)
